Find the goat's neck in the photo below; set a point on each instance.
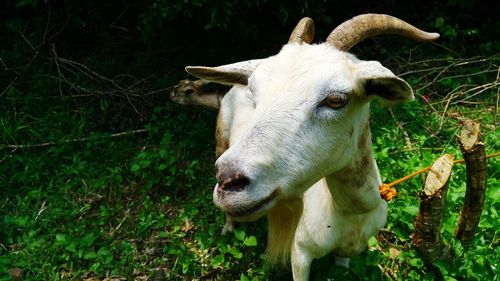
(354, 188)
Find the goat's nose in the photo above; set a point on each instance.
(238, 182)
(231, 179)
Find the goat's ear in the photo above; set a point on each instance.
(376, 80)
(235, 73)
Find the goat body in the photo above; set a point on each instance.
(294, 142)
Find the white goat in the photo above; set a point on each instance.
(199, 92)
(296, 129)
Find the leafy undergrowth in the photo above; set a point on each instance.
(139, 206)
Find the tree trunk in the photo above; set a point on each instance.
(475, 163)
(426, 236)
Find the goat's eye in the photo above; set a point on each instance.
(189, 91)
(335, 101)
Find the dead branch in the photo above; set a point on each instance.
(433, 71)
(475, 162)
(45, 144)
(111, 87)
(477, 90)
(426, 236)
(8, 86)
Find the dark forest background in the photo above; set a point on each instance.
(102, 176)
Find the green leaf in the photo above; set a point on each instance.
(61, 239)
(90, 255)
(135, 168)
(439, 22)
(164, 153)
(103, 252)
(217, 261)
(71, 247)
(145, 163)
(251, 241)
(239, 234)
(88, 240)
(416, 262)
(442, 266)
(410, 209)
(372, 242)
(243, 277)
(494, 194)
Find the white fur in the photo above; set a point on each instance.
(290, 147)
(237, 108)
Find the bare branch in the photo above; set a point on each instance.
(46, 144)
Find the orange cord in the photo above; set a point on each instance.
(387, 190)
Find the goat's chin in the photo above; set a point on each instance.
(247, 218)
(241, 208)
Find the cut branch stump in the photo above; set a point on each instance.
(475, 163)
(426, 236)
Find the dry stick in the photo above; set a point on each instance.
(16, 146)
(485, 87)
(426, 236)
(475, 162)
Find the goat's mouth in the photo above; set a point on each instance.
(251, 210)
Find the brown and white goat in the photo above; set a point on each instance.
(298, 141)
(199, 93)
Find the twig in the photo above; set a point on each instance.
(113, 24)
(24, 146)
(480, 89)
(8, 86)
(441, 123)
(88, 72)
(4, 203)
(72, 66)
(58, 68)
(47, 24)
(3, 64)
(7, 156)
(28, 42)
(42, 209)
(127, 213)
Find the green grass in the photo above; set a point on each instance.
(140, 206)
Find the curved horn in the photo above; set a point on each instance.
(353, 31)
(303, 32)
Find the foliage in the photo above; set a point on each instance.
(101, 176)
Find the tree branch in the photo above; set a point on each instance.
(45, 144)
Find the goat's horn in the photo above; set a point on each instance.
(353, 31)
(303, 32)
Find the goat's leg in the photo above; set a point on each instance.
(228, 226)
(301, 263)
(341, 261)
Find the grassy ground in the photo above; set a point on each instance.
(138, 206)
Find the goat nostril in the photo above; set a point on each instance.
(237, 183)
